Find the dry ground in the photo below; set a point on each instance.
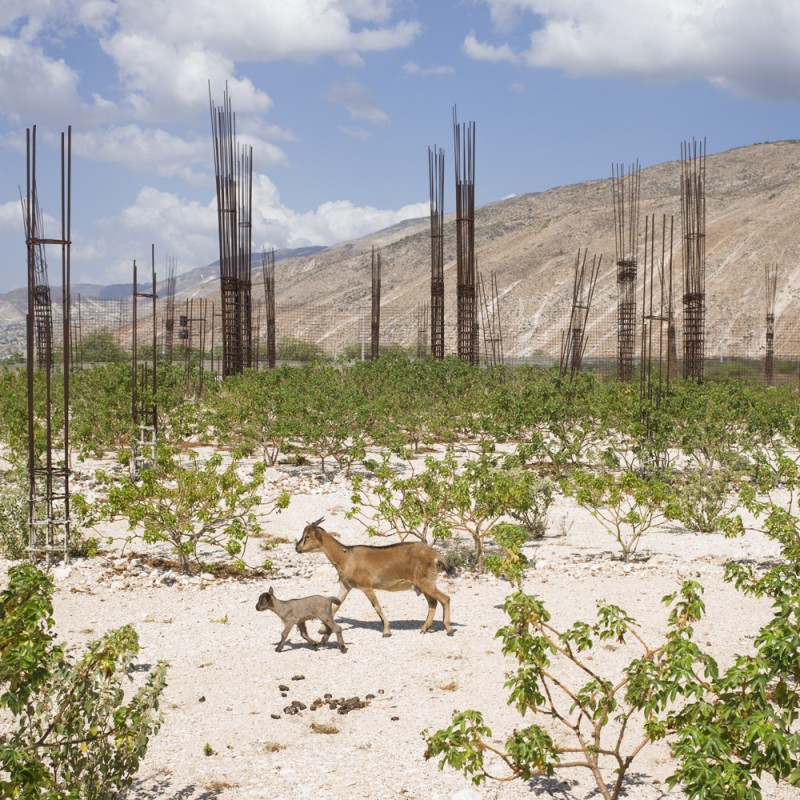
(226, 734)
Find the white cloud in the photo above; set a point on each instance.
(268, 30)
(340, 220)
(189, 229)
(412, 68)
(34, 86)
(11, 217)
(481, 51)
(744, 46)
(358, 100)
(144, 63)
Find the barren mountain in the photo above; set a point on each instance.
(531, 243)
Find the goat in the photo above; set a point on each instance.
(394, 567)
(298, 611)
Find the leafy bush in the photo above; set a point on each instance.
(290, 348)
(451, 495)
(189, 504)
(725, 729)
(101, 346)
(14, 515)
(700, 499)
(72, 734)
(626, 504)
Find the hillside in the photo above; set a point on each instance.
(531, 242)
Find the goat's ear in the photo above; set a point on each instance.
(270, 592)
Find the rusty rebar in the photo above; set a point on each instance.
(375, 339)
(656, 353)
(48, 485)
(490, 314)
(693, 215)
(626, 192)
(573, 343)
(436, 185)
(467, 323)
(771, 289)
(268, 276)
(233, 167)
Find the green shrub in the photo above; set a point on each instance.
(71, 735)
(290, 348)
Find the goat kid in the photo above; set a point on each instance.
(298, 612)
(393, 568)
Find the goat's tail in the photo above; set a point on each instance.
(335, 600)
(443, 564)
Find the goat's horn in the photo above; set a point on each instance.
(317, 522)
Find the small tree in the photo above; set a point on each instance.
(190, 504)
(72, 734)
(626, 503)
(725, 729)
(450, 496)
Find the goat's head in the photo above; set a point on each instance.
(265, 600)
(311, 539)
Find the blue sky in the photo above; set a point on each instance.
(341, 99)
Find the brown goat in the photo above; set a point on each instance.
(394, 567)
(298, 612)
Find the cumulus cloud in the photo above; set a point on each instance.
(269, 30)
(190, 228)
(167, 81)
(34, 85)
(481, 51)
(742, 46)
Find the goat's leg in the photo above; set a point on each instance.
(434, 595)
(431, 611)
(373, 598)
(284, 636)
(332, 627)
(301, 626)
(343, 592)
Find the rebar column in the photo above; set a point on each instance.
(656, 355)
(490, 313)
(693, 214)
(268, 275)
(233, 166)
(376, 305)
(144, 381)
(464, 140)
(169, 321)
(48, 484)
(436, 183)
(573, 343)
(625, 190)
(771, 286)
(42, 307)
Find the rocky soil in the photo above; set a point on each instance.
(242, 721)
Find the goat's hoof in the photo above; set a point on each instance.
(387, 634)
(343, 649)
(278, 649)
